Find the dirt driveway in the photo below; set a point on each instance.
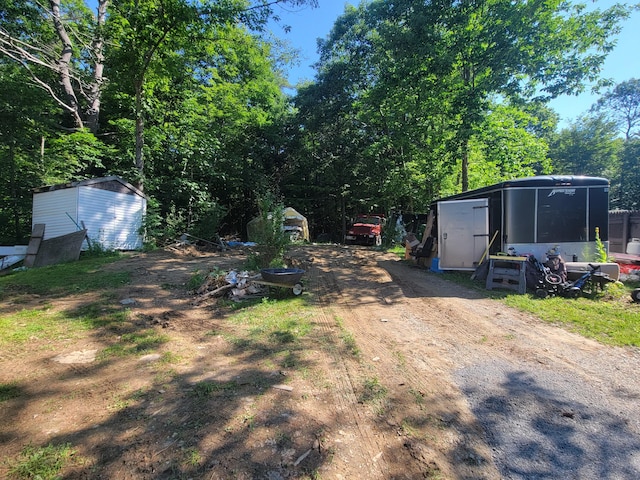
(403, 376)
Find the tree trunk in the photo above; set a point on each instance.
(66, 54)
(95, 90)
(14, 193)
(465, 163)
(139, 136)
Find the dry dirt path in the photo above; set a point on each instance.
(502, 395)
(403, 376)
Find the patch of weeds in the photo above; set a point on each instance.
(136, 343)
(348, 339)
(350, 342)
(192, 457)
(99, 315)
(289, 360)
(398, 250)
(420, 427)
(372, 391)
(248, 419)
(208, 388)
(402, 361)
(9, 391)
(418, 396)
(43, 463)
(164, 376)
(196, 280)
(117, 404)
(170, 357)
(409, 430)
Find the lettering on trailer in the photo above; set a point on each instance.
(566, 191)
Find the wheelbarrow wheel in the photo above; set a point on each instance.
(297, 289)
(635, 295)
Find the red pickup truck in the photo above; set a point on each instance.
(366, 230)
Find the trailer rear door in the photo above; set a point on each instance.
(463, 233)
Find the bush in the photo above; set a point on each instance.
(272, 241)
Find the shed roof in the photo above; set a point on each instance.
(112, 183)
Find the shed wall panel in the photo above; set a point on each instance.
(112, 218)
(57, 210)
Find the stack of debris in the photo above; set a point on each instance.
(235, 285)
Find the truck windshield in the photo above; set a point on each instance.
(368, 220)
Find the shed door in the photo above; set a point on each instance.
(463, 233)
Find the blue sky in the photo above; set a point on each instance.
(308, 24)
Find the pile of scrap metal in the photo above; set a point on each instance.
(233, 285)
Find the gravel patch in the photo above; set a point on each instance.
(545, 424)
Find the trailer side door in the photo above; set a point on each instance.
(463, 233)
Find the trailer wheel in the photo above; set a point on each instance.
(635, 295)
(297, 289)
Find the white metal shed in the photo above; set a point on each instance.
(111, 210)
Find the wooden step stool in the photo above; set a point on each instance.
(507, 272)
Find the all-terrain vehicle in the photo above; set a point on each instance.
(366, 230)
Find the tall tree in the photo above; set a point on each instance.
(65, 38)
(622, 105)
(435, 66)
(521, 48)
(61, 47)
(628, 196)
(589, 146)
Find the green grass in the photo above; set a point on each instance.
(276, 322)
(64, 279)
(45, 324)
(606, 320)
(37, 324)
(43, 463)
(608, 316)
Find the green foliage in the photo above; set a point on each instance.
(587, 147)
(601, 251)
(404, 108)
(621, 105)
(506, 147)
(270, 236)
(69, 157)
(96, 249)
(628, 184)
